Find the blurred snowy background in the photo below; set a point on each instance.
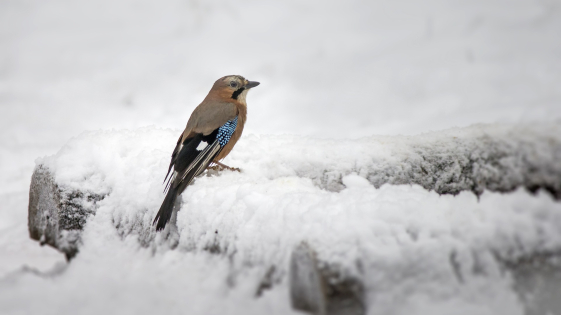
(344, 69)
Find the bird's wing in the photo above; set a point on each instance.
(192, 158)
(205, 119)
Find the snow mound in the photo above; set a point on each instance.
(412, 249)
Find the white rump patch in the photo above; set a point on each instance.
(202, 146)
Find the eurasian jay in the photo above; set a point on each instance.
(212, 131)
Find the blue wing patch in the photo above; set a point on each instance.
(225, 131)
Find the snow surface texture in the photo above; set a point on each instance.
(428, 252)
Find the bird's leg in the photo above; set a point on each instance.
(221, 166)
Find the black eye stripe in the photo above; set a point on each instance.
(237, 93)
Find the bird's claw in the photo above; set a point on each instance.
(218, 167)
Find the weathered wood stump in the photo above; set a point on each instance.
(57, 216)
(321, 290)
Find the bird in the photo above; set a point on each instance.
(213, 129)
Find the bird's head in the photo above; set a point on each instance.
(232, 87)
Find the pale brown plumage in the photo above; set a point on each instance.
(211, 122)
(217, 108)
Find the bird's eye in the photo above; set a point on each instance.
(234, 84)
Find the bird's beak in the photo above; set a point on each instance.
(251, 84)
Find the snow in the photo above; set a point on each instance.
(400, 240)
(328, 70)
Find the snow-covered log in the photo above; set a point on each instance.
(367, 242)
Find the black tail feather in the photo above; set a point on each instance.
(166, 209)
